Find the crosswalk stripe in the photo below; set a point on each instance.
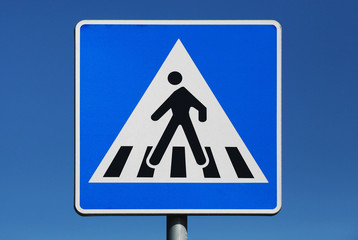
(116, 167)
(145, 170)
(241, 169)
(178, 163)
(178, 168)
(211, 171)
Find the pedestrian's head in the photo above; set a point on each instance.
(175, 78)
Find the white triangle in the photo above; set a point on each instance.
(140, 131)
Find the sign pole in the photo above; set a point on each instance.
(177, 227)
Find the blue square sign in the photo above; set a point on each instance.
(178, 117)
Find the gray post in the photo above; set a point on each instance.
(177, 227)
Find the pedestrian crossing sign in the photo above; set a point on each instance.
(178, 117)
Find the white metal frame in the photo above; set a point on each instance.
(178, 211)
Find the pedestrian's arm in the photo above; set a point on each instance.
(201, 109)
(162, 110)
(202, 114)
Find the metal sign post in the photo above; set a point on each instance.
(177, 227)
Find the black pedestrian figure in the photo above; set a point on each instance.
(180, 103)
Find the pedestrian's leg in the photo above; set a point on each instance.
(194, 142)
(163, 143)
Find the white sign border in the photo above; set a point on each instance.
(82, 211)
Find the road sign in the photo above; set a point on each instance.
(178, 117)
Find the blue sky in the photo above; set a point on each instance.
(320, 82)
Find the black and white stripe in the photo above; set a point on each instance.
(178, 166)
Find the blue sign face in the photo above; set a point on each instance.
(178, 117)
